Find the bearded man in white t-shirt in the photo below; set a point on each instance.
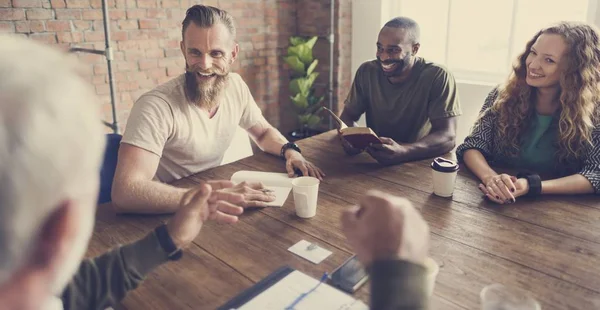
(185, 125)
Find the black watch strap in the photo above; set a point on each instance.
(534, 181)
(167, 243)
(289, 145)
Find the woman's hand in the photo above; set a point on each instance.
(502, 188)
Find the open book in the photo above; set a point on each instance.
(279, 183)
(358, 137)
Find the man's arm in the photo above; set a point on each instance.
(440, 140)
(349, 117)
(133, 189)
(103, 281)
(270, 140)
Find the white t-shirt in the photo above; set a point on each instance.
(165, 123)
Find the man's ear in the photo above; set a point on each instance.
(182, 48)
(29, 287)
(234, 53)
(415, 48)
(57, 235)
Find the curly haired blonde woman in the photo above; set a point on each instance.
(544, 121)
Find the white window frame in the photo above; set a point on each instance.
(477, 77)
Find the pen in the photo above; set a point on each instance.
(299, 299)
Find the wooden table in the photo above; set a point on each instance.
(549, 246)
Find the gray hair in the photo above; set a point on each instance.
(409, 24)
(51, 145)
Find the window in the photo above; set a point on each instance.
(480, 39)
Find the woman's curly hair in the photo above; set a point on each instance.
(579, 94)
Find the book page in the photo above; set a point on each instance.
(283, 293)
(279, 183)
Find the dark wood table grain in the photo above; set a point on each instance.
(549, 246)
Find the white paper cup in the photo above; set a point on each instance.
(498, 297)
(306, 192)
(444, 173)
(432, 271)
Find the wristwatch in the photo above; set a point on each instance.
(166, 243)
(534, 181)
(289, 145)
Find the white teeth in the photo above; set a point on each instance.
(388, 66)
(535, 75)
(205, 74)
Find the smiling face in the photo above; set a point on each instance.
(209, 54)
(545, 61)
(395, 50)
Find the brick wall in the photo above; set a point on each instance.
(145, 36)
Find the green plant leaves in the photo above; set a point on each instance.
(300, 101)
(295, 63)
(312, 67)
(297, 40)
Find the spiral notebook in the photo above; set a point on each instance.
(282, 288)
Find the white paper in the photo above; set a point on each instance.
(279, 183)
(315, 255)
(283, 293)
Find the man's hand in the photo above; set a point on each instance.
(348, 148)
(253, 194)
(388, 152)
(386, 227)
(195, 209)
(295, 160)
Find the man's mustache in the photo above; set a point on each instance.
(202, 71)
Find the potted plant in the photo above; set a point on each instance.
(307, 105)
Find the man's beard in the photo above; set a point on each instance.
(205, 94)
(400, 65)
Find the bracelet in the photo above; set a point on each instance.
(534, 181)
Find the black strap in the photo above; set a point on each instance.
(534, 181)
(166, 242)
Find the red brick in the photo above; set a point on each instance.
(149, 24)
(27, 3)
(172, 52)
(131, 3)
(133, 55)
(78, 4)
(97, 4)
(94, 36)
(5, 4)
(49, 38)
(128, 24)
(136, 13)
(147, 4)
(157, 13)
(172, 44)
(126, 66)
(169, 3)
(58, 4)
(146, 64)
(157, 73)
(82, 25)
(33, 14)
(22, 27)
(58, 25)
(127, 45)
(37, 26)
(118, 36)
(12, 14)
(69, 37)
(7, 27)
(92, 14)
(100, 69)
(69, 14)
(117, 14)
(102, 89)
(155, 53)
(174, 70)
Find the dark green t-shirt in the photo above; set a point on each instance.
(538, 146)
(403, 111)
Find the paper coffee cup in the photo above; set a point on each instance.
(444, 176)
(432, 271)
(306, 191)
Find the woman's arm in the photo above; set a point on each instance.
(475, 161)
(573, 184)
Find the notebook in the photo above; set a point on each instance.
(282, 288)
(279, 183)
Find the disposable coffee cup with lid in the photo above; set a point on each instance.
(444, 175)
